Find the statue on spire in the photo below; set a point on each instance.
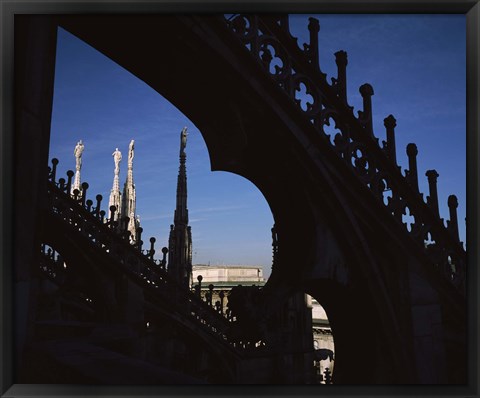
(180, 238)
(131, 147)
(77, 152)
(115, 197)
(183, 140)
(129, 197)
(117, 156)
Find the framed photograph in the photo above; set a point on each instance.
(219, 199)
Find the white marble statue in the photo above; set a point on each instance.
(77, 152)
(117, 156)
(131, 147)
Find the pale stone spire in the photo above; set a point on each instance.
(180, 240)
(115, 196)
(77, 152)
(130, 197)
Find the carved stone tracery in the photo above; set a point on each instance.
(268, 38)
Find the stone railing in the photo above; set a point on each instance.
(297, 73)
(84, 219)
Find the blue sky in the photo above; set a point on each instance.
(415, 63)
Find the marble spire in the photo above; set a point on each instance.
(129, 196)
(180, 239)
(115, 196)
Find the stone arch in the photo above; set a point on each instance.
(249, 130)
(253, 132)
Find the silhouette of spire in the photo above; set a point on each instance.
(180, 240)
(130, 197)
(181, 212)
(115, 196)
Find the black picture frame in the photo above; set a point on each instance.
(10, 8)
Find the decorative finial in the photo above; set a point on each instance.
(453, 222)
(432, 199)
(390, 123)
(412, 176)
(341, 80)
(312, 48)
(313, 25)
(54, 169)
(366, 90)
(412, 150)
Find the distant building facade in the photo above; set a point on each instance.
(322, 339)
(213, 282)
(229, 275)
